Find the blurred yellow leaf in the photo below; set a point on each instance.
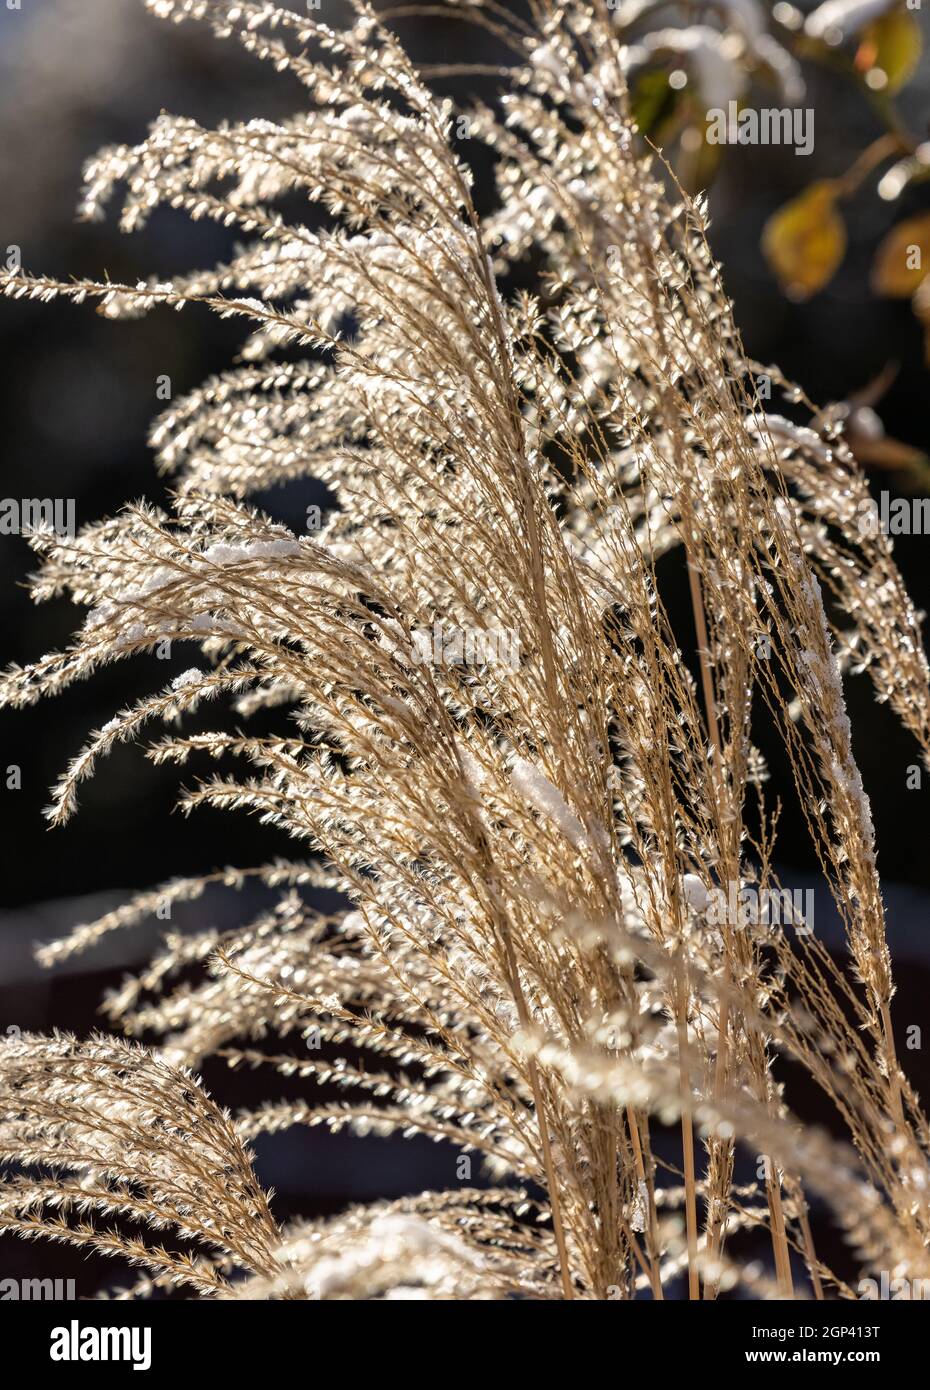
(805, 241)
(903, 259)
(892, 44)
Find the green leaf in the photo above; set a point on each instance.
(652, 100)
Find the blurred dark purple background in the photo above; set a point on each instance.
(77, 396)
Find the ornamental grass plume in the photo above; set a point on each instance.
(528, 965)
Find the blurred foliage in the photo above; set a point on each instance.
(877, 43)
(739, 57)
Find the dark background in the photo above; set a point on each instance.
(77, 394)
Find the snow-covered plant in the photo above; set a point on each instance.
(533, 964)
